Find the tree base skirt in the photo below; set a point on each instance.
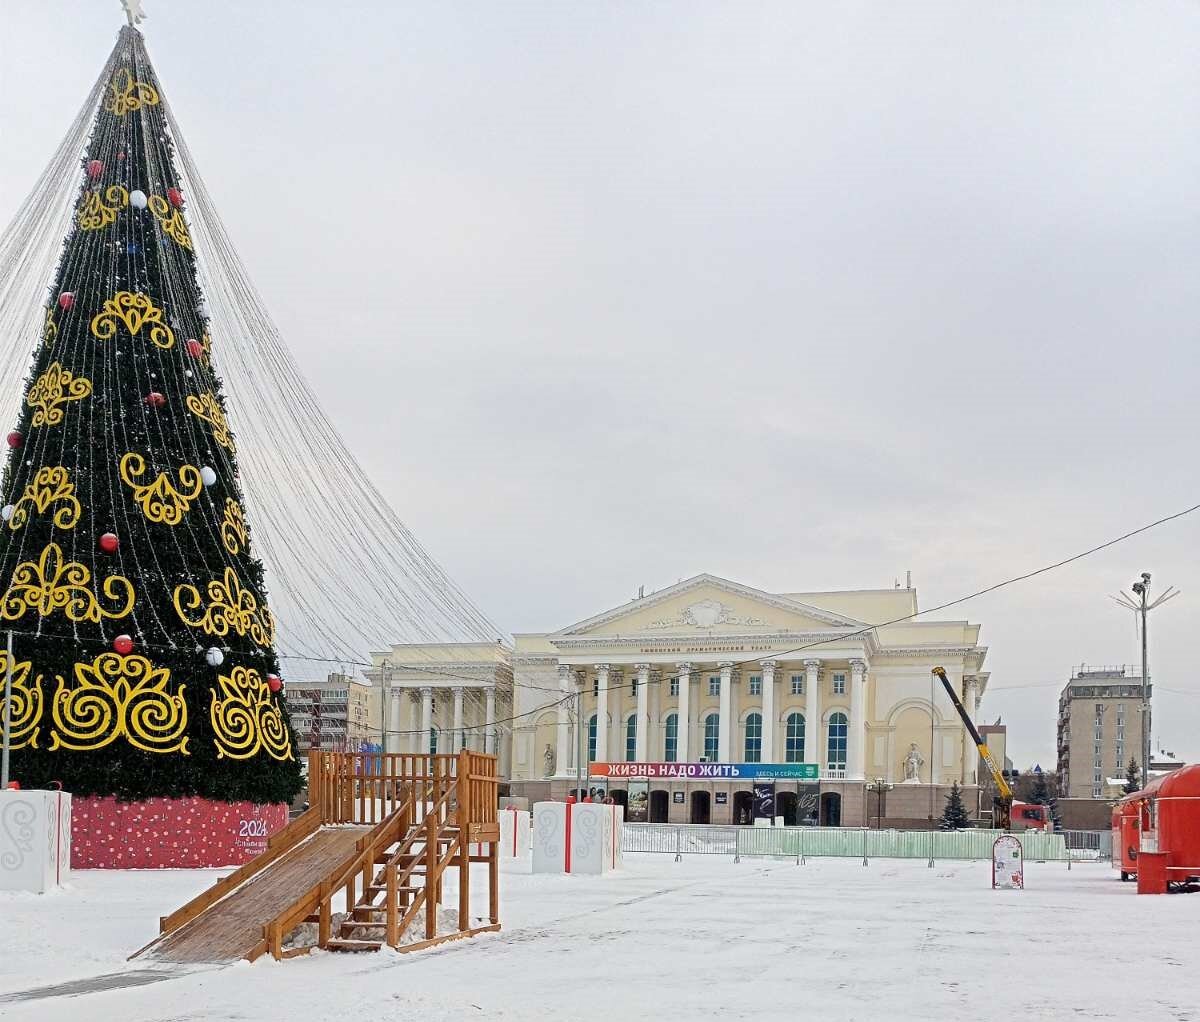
(170, 833)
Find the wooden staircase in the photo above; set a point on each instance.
(383, 829)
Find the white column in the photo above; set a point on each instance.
(728, 720)
(642, 723)
(395, 717)
(971, 705)
(768, 711)
(856, 733)
(562, 747)
(601, 714)
(459, 739)
(683, 731)
(426, 717)
(814, 745)
(489, 720)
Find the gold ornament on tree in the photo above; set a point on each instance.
(231, 608)
(161, 502)
(206, 407)
(133, 310)
(54, 388)
(171, 221)
(234, 534)
(245, 720)
(95, 214)
(125, 93)
(50, 485)
(52, 583)
(115, 697)
(26, 708)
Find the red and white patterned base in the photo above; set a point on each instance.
(169, 833)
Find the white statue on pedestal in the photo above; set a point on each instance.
(912, 765)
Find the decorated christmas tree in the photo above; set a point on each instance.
(144, 658)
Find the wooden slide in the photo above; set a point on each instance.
(227, 921)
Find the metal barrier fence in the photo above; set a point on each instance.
(840, 842)
(1089, 845)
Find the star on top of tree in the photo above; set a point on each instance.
(133, 11)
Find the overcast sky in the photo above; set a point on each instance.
(805, 295)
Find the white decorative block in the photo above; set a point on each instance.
(35, 840)
(581, 838)
(515, 835)
(549, 837)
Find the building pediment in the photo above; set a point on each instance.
(707, 606)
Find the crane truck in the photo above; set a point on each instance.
(1004, 794)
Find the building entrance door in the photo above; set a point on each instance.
(743, 808)
(831, 809)
(701, 807)
(787, 804)
(660, 806)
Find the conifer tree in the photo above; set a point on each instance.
(954, 816)
(144, 660)
(1132, 780)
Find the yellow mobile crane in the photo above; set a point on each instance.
(1004, 799)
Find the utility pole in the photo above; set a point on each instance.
(581, 752)
(1142, 607)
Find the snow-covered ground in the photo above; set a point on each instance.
(704, 938)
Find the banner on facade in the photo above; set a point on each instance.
(638, 799)
(764, 801)
(708, 771)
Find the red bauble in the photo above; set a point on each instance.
(274, 682)
(95, 169)
(155, 400)
(195, 348)
(123, 644)
(66, 300)
(109, 542)
(175, 196)
(15, 439)
(121, 155)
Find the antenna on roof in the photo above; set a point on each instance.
(908, 580)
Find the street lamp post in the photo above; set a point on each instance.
(1142, 607)
(879, 786)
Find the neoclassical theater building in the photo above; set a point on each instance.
(683, 689)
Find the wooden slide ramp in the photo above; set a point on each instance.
(232, 927)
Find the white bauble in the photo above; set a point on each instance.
(137, 199)
(214, 657)
(207, 475)
(7, 512)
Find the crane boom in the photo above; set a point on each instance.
(1004, 799)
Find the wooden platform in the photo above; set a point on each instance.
(233, 927)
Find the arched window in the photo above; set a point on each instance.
(592, 739)
(433, 741)
(754, 738)
(712, 737)
(631, 738)
(794, 745)
(837, 741)
(671, 738)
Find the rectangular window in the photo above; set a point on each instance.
(631, 740)
(1095, 791)
(671, 740)
(753, 749)
(714, 685)
(712, 734)
(633, 684)
(595, 686)
(839, 684)
(755, 687)
(797, 686)
(794, 749)
(674, 686)
(1120, 713)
